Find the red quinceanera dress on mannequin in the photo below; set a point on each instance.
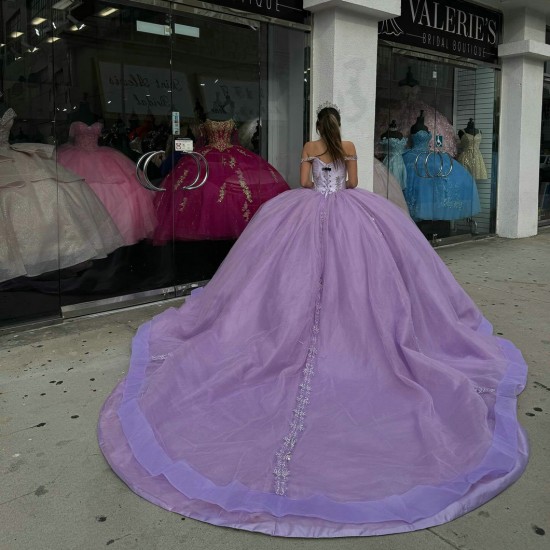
(239, 181)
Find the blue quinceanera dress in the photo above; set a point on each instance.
(450, 196)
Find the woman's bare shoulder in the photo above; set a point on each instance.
(313, 147)
(349, 148)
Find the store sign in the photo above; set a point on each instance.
(141, 89)
(289, 10)
(449, 26)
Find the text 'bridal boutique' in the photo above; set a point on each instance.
(332, 379)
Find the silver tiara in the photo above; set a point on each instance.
(327, 105)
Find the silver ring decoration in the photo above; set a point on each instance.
(141, 172)
(440, 173)
(199, 159)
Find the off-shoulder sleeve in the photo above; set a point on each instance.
(351, 157)
(306, 159)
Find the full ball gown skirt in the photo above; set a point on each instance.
(49, 218)
(239, 182)
(452, 196)
(332, 379)
(112, 176)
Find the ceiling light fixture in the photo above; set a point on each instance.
(153, 28)
(37, 20)
(77, 25)
(52, 39)
(16, 34)
(107, 11)
(62, 4)
(186, 30)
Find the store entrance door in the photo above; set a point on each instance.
(103, 83)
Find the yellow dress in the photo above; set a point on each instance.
(471, 157)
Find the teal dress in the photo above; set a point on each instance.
(394, 148)
(438, 187)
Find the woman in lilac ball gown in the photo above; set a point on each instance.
(331, 380)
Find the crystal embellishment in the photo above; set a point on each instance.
(297, 425)
(482, 389)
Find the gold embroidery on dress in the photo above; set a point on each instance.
(232, 162)
(183, 204)
(243, 185)
(222, 192)
(246, 211)
(181, 179)
(272, 172)
(218, 133)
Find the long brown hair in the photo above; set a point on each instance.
(328, 126)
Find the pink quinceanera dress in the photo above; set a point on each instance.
(406, 110)
(112, 177)
(239, 182)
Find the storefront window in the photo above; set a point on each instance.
(88, 89)
(436, 134)
(544, 168)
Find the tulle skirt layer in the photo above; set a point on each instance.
(332, 379)
(112, 176)
(238, 183)
(49, 218)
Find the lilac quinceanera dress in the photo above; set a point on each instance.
(335, 382)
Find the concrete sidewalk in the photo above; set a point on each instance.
(57, 491)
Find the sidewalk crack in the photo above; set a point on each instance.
(447, 541)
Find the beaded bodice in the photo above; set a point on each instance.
(328, 177)
(420, 140)
(6, 122)
(85, 136)
(469, 141)
(218, 133)
(393, 146)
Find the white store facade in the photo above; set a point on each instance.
(344, 60)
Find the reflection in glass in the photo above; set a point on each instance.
(239, 183)
(37, 197)
(430, 119)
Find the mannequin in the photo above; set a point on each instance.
(392, 132)
(419, 124)
(470, 129)
(471, 156)
(83, 113)
(393, 144)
